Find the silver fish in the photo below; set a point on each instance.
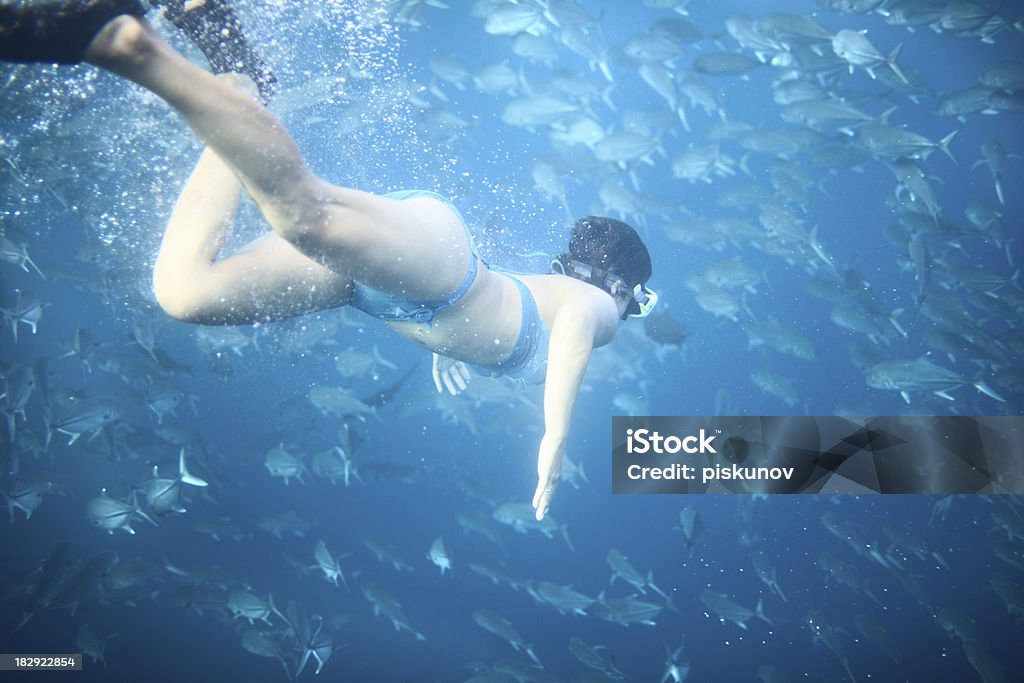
(25, 495)
(691, 526)
(511, 18)
(162, 493)
(86, 416)
(724, 64)
(503, 628)
(439, 555)
(921, 375)
(328, 564)
(244, 604)
(855, 49)
(537, 110)
(628, 610)
(19, 383)
(565, 599)
(623, 569)
(18, 255)
(776, 385)
(723, 607)
(994, 156)
(90, 644)
(522, 518)
(890, 142)
(110, 514)
(591, 656)
(27, 309)
(384, 604)
(280, 463)
(284, 523)
(333, 464)
(766, 572)
(336, 402)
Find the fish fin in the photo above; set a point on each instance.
(184, 474)
(273, 607)
(144, 515)
(891, 61)
(759, 613)
(988, 391)
(10, 505)
(944, 145)
(681, 111)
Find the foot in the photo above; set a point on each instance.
(56, 31)
(122, 40)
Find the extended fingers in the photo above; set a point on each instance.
(542, 497)
(446, 378)
(462, 371)
(456, 378)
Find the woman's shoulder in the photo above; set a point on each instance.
(554, 289)
(550, 282)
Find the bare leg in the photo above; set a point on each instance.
(358, 234)
(266, 280)
(244, 133)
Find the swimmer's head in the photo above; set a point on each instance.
(609, 254)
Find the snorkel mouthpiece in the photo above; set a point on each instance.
(645, 300)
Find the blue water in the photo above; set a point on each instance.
(95, 166)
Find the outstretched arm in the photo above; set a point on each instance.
(268, 279)
(580, 326)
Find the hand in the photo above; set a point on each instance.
(450, 374)
(549, 472)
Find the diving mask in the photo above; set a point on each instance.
(643, 299)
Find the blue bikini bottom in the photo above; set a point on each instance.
(388, 307)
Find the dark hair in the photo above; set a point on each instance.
(613, 246)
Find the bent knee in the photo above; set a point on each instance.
(176, 296)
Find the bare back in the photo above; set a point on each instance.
(483, 326)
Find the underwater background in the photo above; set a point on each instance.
(794, 253)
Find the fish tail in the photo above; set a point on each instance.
(13, 319)
(11, 422)
(565, 534)
(891, 61)
(32, 263)
(10, 507)
(24, 620)
(988, 391)
(144, 515)
(273, 607)
(944, 144)
(759, 613)
(186, 477)
(849, 671)
(681, 111)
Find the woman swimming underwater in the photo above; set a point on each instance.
(405, 258)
